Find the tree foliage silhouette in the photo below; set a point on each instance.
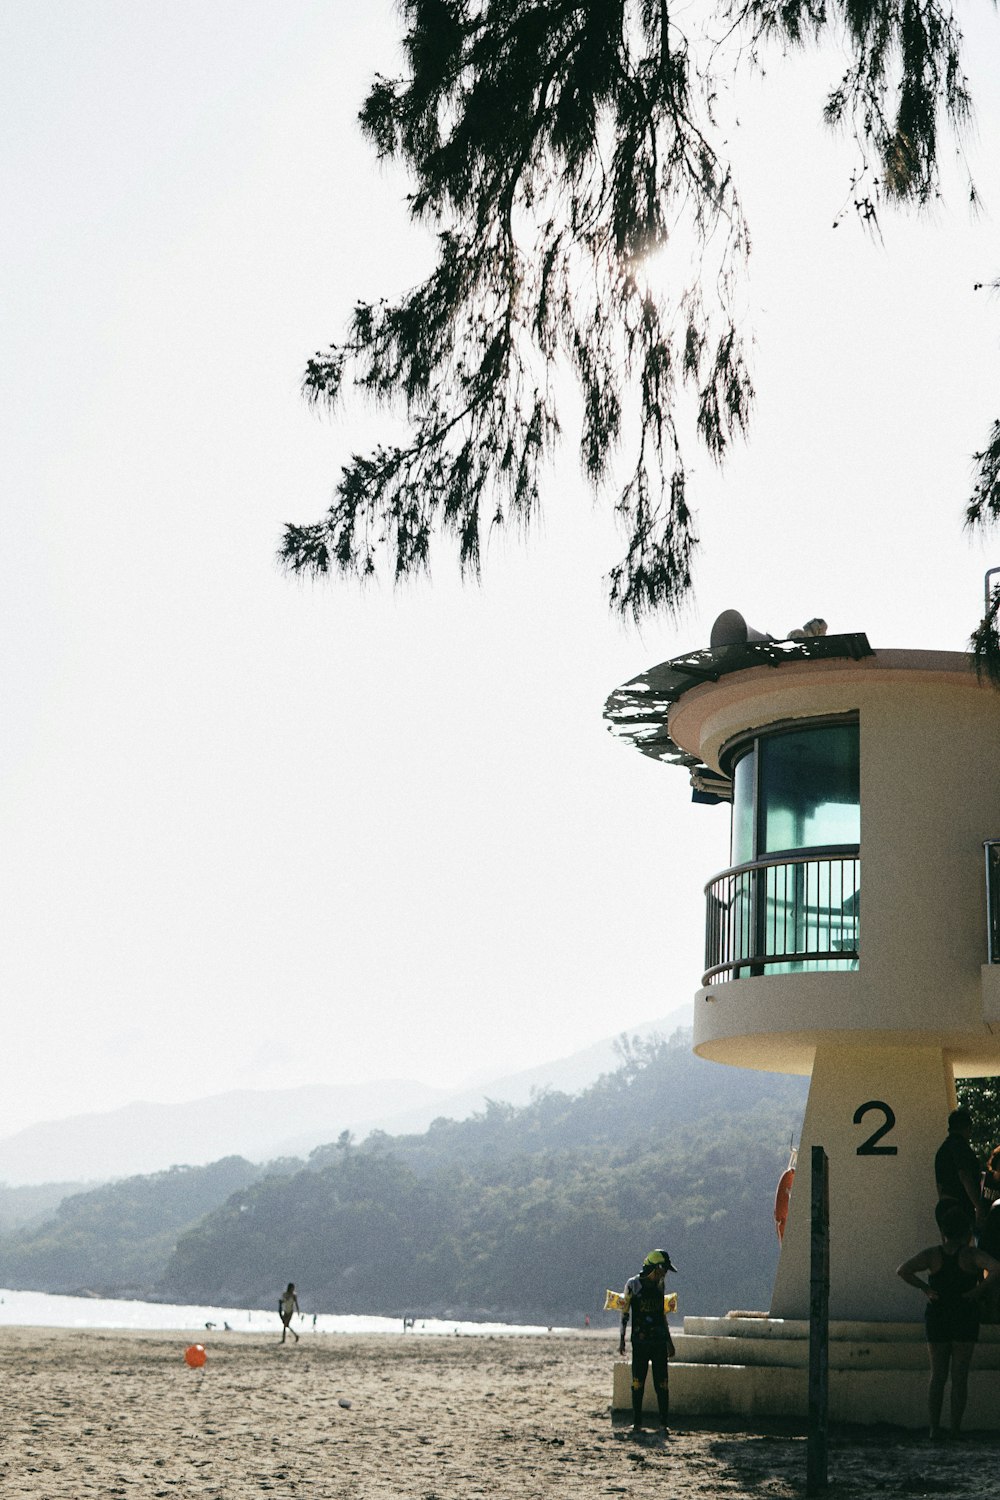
(555, 146)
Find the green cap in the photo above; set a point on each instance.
(658, 1258)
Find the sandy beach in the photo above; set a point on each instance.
(97, 1413)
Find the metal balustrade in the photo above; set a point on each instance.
(787, 913)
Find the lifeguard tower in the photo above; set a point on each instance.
(854, 938)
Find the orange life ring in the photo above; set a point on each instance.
(782, 1198)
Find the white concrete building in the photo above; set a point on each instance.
(849, 940)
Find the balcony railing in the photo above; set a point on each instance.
(788, 913)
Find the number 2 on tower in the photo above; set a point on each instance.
(869, 1147)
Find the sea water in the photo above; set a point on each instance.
(46, 1310)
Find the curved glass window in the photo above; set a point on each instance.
(796, 792)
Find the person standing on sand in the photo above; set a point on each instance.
(651, 1341)
(953, 1290)
(288, 1306)
(956, 1166)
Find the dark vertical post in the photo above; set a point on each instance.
(992, 848)
(819, 1324)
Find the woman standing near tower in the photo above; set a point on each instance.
(953, 1289)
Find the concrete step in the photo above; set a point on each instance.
(865, 1397)
(788, 1328)
(873, 1354)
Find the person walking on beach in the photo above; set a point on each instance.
(288, 1306)
(956, 1165)
(953, 1289)
(651, 1341)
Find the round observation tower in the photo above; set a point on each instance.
(853, 937)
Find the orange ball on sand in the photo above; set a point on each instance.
(195, 1355)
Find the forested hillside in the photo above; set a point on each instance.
(522, 1213)
(518, 1213)
(117, 1238)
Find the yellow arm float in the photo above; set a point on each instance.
(615, 1302)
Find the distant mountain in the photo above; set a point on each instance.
(262, 1124)
(565, 1075)
(253, 1123)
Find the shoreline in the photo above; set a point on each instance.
(33, 1309)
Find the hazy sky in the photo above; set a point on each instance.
(258, 832)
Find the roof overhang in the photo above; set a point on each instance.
(638, 711)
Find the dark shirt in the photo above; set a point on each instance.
(644, 1301)
(953, 1158)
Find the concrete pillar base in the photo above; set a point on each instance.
(882, 1193)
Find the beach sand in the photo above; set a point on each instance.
(97, 1413)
